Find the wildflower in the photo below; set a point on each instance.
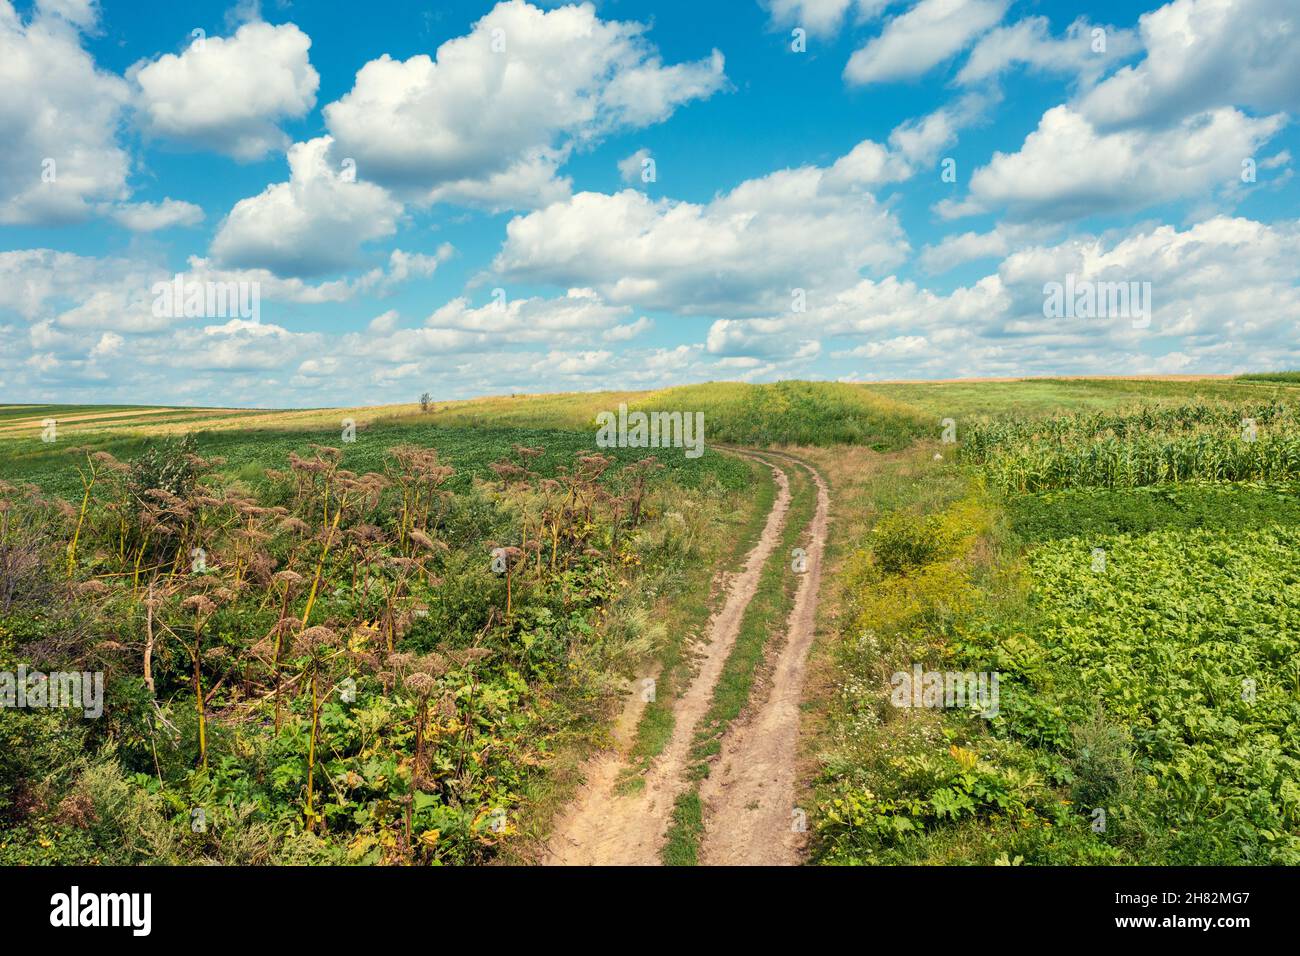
(424, 541)
(315, 639)
(290, 579)
(200, 605)
(420, 684)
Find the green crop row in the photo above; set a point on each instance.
(1145, 460)
(985, 439)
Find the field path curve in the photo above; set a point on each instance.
(603, 826)
(750, 817)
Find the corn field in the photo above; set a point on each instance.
(1149, 446)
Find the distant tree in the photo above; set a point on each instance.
(426, 402)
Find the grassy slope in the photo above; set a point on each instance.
(471, 434)
(881, 416)
(738, 413)
(815, 413)
(1046, 396)
(745, 412)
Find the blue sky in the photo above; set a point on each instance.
(453, 201)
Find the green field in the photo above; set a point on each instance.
(372, 550)
(1130, 572)
(340, 670)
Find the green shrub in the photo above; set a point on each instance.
(902, 542)
(1101, 762)
(165, 466)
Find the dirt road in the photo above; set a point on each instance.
(605, 827)
(750, 817)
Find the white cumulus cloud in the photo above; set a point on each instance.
(59, 119)
(928, 34)
(809, 228)
(491, 116)
(229, 94)
(1202, 54)
(1067, 168)
(311, 225)
(150, 217)
(1030, 43)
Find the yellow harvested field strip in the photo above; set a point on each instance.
(209, 419)
(108, 418)
(252, 418)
